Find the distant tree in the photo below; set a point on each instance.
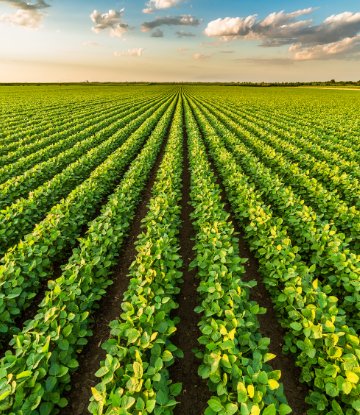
(332, 81)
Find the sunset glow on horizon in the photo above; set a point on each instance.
(177, 40)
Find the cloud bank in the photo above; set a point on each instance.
(182, 20)
(336, 37)
(28, 14)
(111, 20)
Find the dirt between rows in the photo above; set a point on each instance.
(195, 393)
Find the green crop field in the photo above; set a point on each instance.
(179, 250)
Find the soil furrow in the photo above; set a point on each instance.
(109, 309)
(195, 392)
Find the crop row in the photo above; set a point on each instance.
(325, 348)
(330, 176)
(343, 144)
(330, 112)
(37, 373)
(30, 122)
(52, 126)
(235, 353)
(134, 376)
(29, 262)
(319, 243)
(325, 203)
(329, 165)
(20, 186)
(20, 218)
(60, 138)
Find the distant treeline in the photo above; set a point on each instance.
(332, 82)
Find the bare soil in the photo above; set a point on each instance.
(195, 393)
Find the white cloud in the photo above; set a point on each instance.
(148, 10)
(183, 49)
(182, 20)
(237, 26)
(27, 18)
(248, 27)
(112, 20)
(335, 36)
(27, 15)
(90, 44)
(119, 30)
(200, 56)
(163, 4)
(131, 52)
(344, 49)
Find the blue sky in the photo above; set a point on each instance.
(53, 40)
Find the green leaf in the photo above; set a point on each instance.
(231, 408)
(73, 364)
(175, 389)
(63, 402)
(255, 309)
(133, 336)
(150, 405)
(50, 383)
(244, 409)
(263, 343)
(346, 387)
(270, 410)
(158, 363)
(296, 326)
(284, 409)
(161, 398)
(356, 406)
(24, 374)
(46, 408)
(102, 372)
(331, 389)
(215, 405)
(64, 345)
(127, 401)
(263, 378)
(140, 404)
